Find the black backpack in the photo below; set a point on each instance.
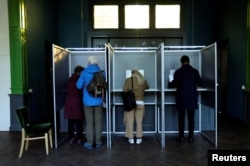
(97, 85)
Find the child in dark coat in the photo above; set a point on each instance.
(73, 109)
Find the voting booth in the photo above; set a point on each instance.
(158, 65)
(122, 62)
(204, 59)
(64, 62)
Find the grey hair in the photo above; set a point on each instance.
(92, 60)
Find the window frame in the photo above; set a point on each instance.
(93, 25)
(168, 27)
(121, 13)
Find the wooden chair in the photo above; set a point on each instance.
(33, 131)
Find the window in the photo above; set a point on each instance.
(105, 17)
(136, 16)
(167, 16)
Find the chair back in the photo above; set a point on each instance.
(23, 116)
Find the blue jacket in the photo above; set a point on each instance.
(82, 83)
(186, 80)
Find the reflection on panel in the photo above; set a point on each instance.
(209, 98)
(60, 78)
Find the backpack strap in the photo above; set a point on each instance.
(132, 84)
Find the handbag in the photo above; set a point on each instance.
(128, 98)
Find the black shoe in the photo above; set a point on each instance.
(190, 140)
(180, 140)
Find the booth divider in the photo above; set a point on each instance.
(123, 61)
(157, 64)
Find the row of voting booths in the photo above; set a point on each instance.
(158, 65)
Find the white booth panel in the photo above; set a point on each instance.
(80, 57)
(127, 60)
(204, 60)
(160, 111)
(60, 68)
(172, 61)
(209, 98)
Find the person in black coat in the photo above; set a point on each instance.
(186, 79)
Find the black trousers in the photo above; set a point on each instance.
(181, 122)
(75, 124)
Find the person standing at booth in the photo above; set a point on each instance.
(73, 108)
(139, 86)
(186, 79)
(93, 106)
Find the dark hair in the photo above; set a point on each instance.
(78, 69)
(184, 59)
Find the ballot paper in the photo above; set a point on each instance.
(171, 75)
(128, 73)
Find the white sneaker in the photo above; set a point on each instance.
(138, 141)
(131, 140)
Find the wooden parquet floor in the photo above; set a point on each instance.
(231, 135)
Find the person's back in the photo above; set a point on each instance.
(73, 104)
(139, 86)
(186, 80)
(73, 108)
(92, 106)
(139, 89)
(83, 82)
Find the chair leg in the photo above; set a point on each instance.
(46, 143)
(22, 144)
(27, 143)
(50, 138)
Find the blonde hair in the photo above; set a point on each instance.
(138, 75)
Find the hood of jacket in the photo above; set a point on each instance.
(92, 69)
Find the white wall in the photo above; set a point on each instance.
(5, 80)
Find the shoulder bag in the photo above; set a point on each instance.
(128, 98)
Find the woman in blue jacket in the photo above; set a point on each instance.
(93, 106)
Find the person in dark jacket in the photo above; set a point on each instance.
(73, 108)
(186, 80)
